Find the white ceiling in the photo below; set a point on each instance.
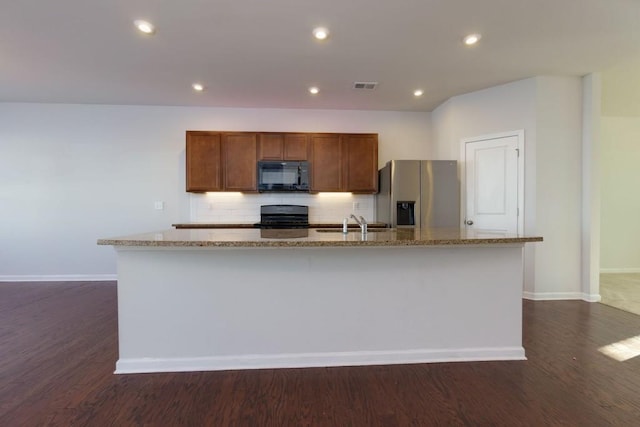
(260, 53)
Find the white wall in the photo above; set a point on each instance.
(619, 172)
(239, 208)
(506, 107)
(621, 89)
(498, 109)
(558, 177)
(620, 207)
(549, 110)
(591, 159)
(70, 174)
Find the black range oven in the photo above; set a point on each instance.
(283, 216)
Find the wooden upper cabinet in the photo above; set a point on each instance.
(239, 153)
(227, 161)
(326, 162)
(271, 146)
(360, 163)
(283, 146)
(296, 146)
(204, 166)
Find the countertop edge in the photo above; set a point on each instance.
(198, 225)
(294, 243)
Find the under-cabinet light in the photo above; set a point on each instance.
(337, 194)
(223, 194)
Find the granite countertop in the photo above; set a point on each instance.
(252, 237)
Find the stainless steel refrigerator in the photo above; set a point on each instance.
(419, 193)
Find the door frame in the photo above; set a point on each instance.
(519, 134)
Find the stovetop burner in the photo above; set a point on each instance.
(283, 216)
(279, 226)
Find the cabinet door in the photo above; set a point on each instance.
(271, 146)
(326, 163)
(283, 146)
(203, 165)
(360, 163)
(296, 146)
(239, 155)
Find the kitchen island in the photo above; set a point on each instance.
(214, 299)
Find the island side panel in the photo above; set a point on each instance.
(183, 309)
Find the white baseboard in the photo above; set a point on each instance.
(619, 270)
(61, 278)
(591, 297)
(308, 360)
(556, 296)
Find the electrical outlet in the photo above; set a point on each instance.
(159, 206)
(356, 206)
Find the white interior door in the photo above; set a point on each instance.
(492, 183)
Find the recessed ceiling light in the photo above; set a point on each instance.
(314, 90)
(320, 33)
(472, 39)
(198, 87)
(144, 26)
(418, 93)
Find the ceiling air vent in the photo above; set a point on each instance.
(365, 85)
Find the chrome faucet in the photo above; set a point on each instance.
(361, 222)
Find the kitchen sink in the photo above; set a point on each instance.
(351, 230)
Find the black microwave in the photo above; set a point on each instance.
(283, 176)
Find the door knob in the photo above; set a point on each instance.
(469, 222)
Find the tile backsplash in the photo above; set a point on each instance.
(239, 208)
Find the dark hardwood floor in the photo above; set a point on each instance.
(58, 346)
